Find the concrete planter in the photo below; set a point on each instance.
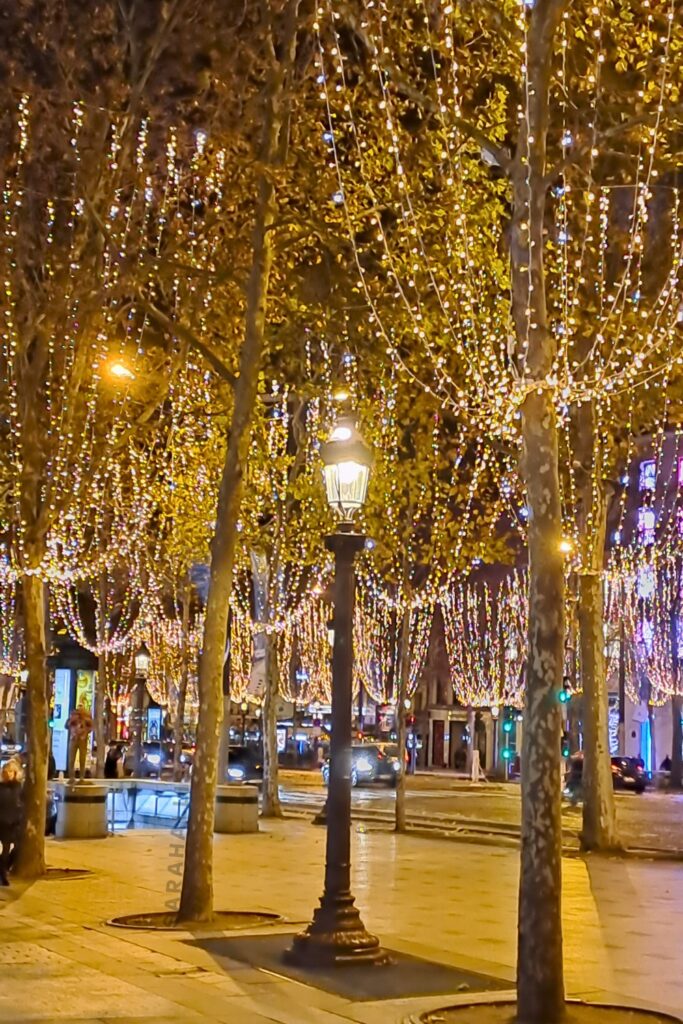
(236, 809)
(82, 811)
(491, 1010)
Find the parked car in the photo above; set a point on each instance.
(370, 762)
(244, 764)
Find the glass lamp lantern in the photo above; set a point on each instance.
(142, 660)
(347, 461)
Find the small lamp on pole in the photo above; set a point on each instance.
(142, 660)
(337, 935)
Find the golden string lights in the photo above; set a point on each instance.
(10, 637)
(171, 653)
(93, 419)
(422, 210)
(485, 627)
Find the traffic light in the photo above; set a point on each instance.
(565, 694)
(507, 754)
(508, 720)
(566, 747)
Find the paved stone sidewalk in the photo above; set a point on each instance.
(59, 961)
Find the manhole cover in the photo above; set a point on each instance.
(222, 921)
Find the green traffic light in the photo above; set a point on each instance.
(564, 696)
(507, 754)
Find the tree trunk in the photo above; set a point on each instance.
(676, 779)
(599, 831)
(676, 774)
(31, 847)
(404, 669)
(472, 730)
(196, 899)
(540, 982)
(270, 806)
(100, 693)
(179, 725)
(653, 737)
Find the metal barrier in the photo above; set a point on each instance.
(153, 802)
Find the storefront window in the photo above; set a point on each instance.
(648, 475)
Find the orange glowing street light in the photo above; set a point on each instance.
(121, 371)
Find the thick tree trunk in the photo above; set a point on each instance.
(270, 806)
(196, 899)
(179, 724)
(31, 848)
(540, 982)
(404, 669)
(599, 830)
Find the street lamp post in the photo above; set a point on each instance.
(337, 935)
(141, 671)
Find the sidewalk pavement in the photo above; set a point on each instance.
(60, 962)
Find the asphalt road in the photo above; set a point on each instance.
(651, 820)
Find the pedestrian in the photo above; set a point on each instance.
(574, 779)
(112, 760)
(80, 725)
(11, 779)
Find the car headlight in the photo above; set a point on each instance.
(363, 764)
(236, 773)
(396, 765)
(154, 758)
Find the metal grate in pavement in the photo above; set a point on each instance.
(403, 978)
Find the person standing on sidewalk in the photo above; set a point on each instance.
(80, 725)
(11, 779)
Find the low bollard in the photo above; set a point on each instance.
(236, 809)
(82, 811)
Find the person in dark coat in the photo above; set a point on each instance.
(11, 779)
(111, 761)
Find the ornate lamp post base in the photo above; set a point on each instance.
(336, 937)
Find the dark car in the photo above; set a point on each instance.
(157, 759)
(370, 762)
(244, 764)
(629, 773)
(155, 756)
